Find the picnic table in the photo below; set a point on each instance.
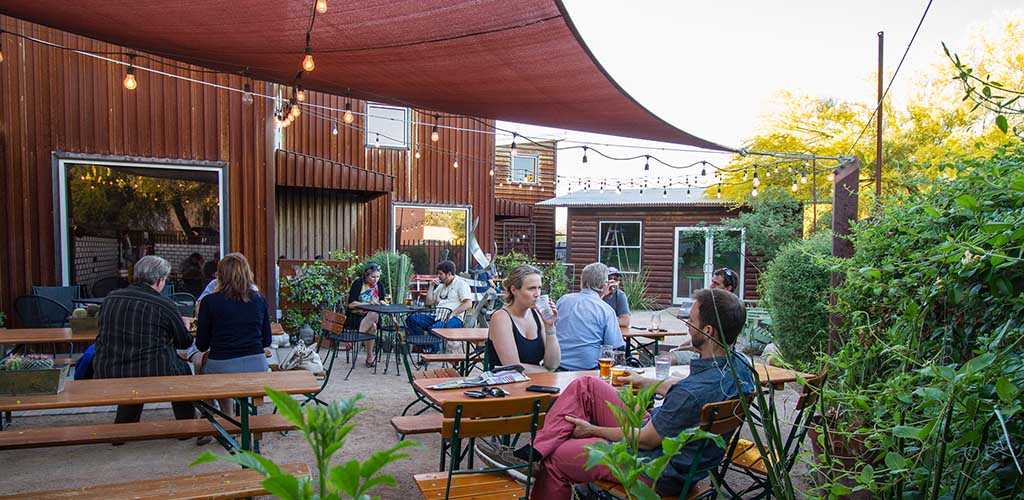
(470, 337)
(242, 387)
(634, 335)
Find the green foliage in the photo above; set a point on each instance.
(325, 429)
(555, 274)
(396, 273)
(795, 290)
(622, 457)
(3, 319)
(317, 286)
(635, 288)
(929, 376)
(772, 223)
(990, 94)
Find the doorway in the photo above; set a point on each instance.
(698, 252)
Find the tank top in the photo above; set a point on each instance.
(530, 351)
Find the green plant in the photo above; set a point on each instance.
(635, 288)
(3, 319)
(794, 288)
(325, 429)
(623, 457)
(556, 278)
(772, 223)
(27, 362)
(396, 273)
(929, 371)
(316, 286)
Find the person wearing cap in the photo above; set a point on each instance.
(616, 298)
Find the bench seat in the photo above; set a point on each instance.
(410, 425)
(240, 483)
(478, 486)
(698, 490)
(450, 357)
(140, 431)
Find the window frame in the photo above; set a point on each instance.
(369, 137)
(638, 246)
(435, 206)
(512, 169)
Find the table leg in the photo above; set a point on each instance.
(243, 423)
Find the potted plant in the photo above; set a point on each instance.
(31, 374)
(315, 286)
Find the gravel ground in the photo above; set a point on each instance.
(386, 395)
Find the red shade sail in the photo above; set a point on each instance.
(515, 60)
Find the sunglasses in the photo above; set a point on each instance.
(483, 392)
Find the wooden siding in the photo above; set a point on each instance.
(658, 247)
(333, 214)
(53, 100)
(543, 218)
(299, 170)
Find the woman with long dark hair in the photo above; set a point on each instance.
(367, 289)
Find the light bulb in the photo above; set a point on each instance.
(334, 130)
(321, 6)
(744, 175)
(247, 94)
(584, 154)
(754, 193)
(376, 140)
(295, 110)
(491, 172)
(434, 136)
(703, 172)
(757, 182)
(832, 176)
(455, 164)
(803, 177)
(348, 117)
(129, 79)
(1, 54)
(794, 186)
(513, 153)
(664, 193)
(647, 163)
(687, 191)
(719, 194)
(417, 153)
(767, 172)
(300, 94)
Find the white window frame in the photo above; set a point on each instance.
(512, 168)
(469, 218)
(639, 246)
(709, 255)
(370, 136)
(61, 186)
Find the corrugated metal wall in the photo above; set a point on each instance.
(543, 217)
(313, 222)
(53, 100)
(658, 247)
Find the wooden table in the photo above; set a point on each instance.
(469, 336)
(25, 336)
(766, 374)
(633, 336)
(114, 391)
(275, 327)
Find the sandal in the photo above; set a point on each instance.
(371, 364)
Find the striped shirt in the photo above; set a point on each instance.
(139, 331)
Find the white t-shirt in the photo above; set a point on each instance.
(451, 296)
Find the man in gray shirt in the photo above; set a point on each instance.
(616, 298)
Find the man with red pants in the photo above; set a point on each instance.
(581, 415)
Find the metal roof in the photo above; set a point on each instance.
(652, 197)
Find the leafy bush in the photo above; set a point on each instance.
(795, 288)
(316, 286)
(556, 279)
(325, 429)
(930, 373)
(772, 223)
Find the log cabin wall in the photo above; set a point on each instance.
(543, 219)
(657, 245)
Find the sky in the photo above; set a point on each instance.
(712, 68)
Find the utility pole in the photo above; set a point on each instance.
(878, 113)
(814, 194)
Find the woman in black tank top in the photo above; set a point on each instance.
(518, 334)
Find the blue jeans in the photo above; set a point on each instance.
(421, 324)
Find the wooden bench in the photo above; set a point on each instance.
(451, 358)
(484, 485)
(138, 431)
(411, 425)
(698, 490)
(240, 483)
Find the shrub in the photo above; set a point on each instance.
(772, 223)
(635, 288)
(556, 279)
(795, 289)
(316, 286)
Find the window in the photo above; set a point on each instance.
(619, 246)
(387, 126)
(699, 251)
(432, 234)
(524, 170)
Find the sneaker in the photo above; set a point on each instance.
(495, 454)
(524, 452)
(203, 440)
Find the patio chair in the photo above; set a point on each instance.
(103, 286)
(66, 295)
(484, 418)
(747, 460)
(37, 311)
(721, 418)
(185, 302)
(413, 375)
(440, 314)
(333, 330)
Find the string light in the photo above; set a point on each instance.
(247, 94)
(376, 141)
(513, 153)
(757, 182)
(754, 192)
(308, 64)
(744, 174)
(295, 109)
(832, 175)
(417, 155)
(434, 136)
(687, 190)
(348, 117)
(618, 189)
(321, 6)
(703, 169)
(803, 177)
(129, 78)
(794, 187)
(664, 193)
(334, 131)
(1, 47)
(455, 164)
(584, 154)
(300, 94)
(491, 172)
(719, 193)
(647, 163)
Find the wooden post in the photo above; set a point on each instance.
(844, 212)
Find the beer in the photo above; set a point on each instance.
(408, 301)
(617, 371)
(605, 366)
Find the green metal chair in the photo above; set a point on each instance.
(473, 419)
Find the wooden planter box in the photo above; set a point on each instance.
(84, 325)
(30, 382)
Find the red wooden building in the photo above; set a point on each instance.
(522, 180)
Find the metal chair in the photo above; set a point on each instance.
(103, 286)
(66, 295)
(185, 302)
(333, 329)
(440, 314)
(37, 311)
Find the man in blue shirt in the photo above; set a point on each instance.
(585, 322)
(581, 416)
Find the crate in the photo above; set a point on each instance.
(84, 325)
(32, 382)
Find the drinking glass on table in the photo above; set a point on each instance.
(656, 322)
(662, 366)
(544, 307)
(618, 368)
(605, 362)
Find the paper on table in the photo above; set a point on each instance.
(485, 378)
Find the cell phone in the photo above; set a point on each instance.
(475, 394)
(544, 388)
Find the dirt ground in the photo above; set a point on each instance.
(386, 395)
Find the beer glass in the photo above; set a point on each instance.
(605, 362)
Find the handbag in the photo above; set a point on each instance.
(302, 357)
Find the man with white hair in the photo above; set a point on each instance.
(585, 322)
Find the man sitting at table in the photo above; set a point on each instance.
(139, 330)
(448, 291)
(581, 416)
(585, 322)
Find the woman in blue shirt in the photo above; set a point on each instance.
(234, 323)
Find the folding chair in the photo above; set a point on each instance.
(747, 460)
(185, 302)
(333, 329)
(724, 418)
(484, 418)
(413, 375)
